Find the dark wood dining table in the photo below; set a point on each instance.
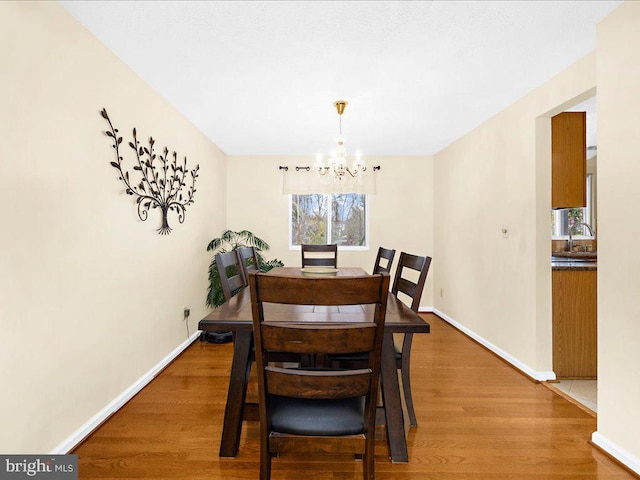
(235, 315)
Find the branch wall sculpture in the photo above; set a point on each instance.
(161, 183)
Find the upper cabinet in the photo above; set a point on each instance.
(568, 160)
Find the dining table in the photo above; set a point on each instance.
(235, 315)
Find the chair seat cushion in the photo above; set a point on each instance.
(301, 416)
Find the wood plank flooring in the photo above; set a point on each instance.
(478, 419)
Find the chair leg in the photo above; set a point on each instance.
(368, 460)
(406, 378)
(265, 462)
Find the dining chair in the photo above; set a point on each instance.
(248, 258)
(413, 290)
(319, 255)
(232, 279)
(402, 284)
(384, 260)
(310, 409)
(236, 266)
(232, 276)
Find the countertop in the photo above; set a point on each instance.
(568, 263)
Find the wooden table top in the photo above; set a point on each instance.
(235, 314)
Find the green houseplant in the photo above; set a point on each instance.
(227, 242)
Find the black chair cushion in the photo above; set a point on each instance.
(301, 416)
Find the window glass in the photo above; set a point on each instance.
(321, 219)
(348, 219)
(309, 219)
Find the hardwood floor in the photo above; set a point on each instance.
(478, 419)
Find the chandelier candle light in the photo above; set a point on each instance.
(336, 168)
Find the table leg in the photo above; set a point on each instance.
(392, 402)
(234, 410)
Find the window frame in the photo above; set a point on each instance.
(352, 248)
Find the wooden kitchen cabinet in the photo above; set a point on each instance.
(575, 345)
(569, 160)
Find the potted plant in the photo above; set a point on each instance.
(227, 242)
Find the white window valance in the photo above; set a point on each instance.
(303, 180)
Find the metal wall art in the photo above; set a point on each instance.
(160, 183)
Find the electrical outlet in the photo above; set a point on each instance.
(187, 312)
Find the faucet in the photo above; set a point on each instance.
(570, 243)
(588, 228)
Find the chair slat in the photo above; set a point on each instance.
(330, 339)
(406, 286)
(320, 291)
(318, 384)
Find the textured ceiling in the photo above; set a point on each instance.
(261, 77)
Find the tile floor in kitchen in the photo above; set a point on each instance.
(583, 391)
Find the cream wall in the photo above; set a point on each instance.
(91, 297)
(498, 176)
(618, 260)
(401, 211)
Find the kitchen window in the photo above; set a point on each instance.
(318, 219)
(572, 220)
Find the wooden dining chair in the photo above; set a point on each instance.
(232, 276)
(248, 258)
(402, 285)
(384, 260)
(413, 290)
(319, 255)
(312, 409)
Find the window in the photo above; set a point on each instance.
(572, 220)
(321, 219)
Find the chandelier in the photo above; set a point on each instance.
(336, 168)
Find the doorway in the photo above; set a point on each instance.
(574, 282)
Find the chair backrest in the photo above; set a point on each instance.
(248, 258)
(384, 260)
(402, 284)
(319, 255)
(231, 274)
(280, 387)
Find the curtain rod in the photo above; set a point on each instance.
(286, 169)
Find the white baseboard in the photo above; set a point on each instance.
(76, 437)
(623, 456)
(425, 310)
(536, 375)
